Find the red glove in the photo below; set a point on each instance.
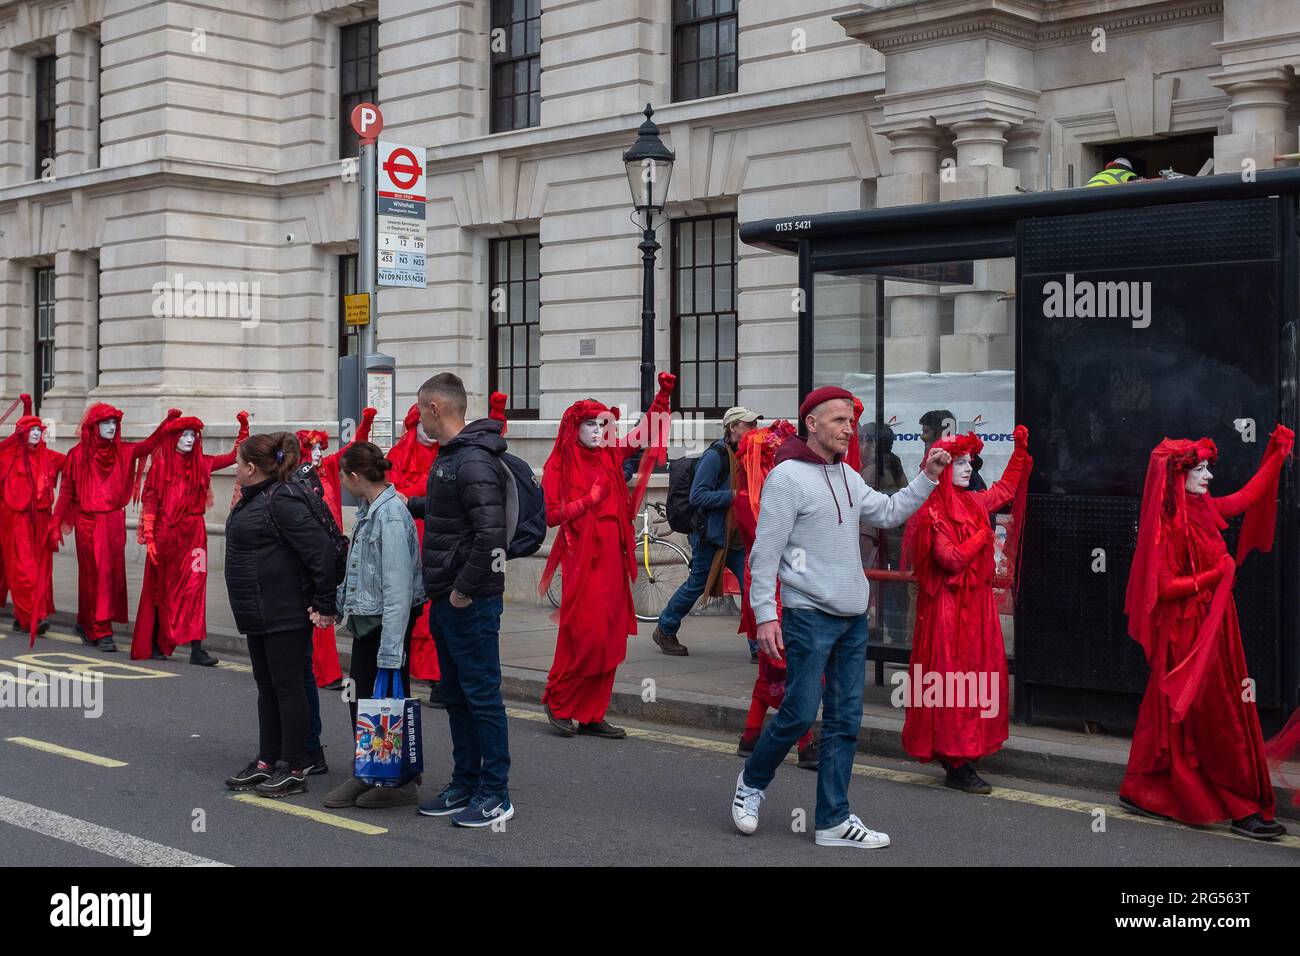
(599, 492)
(666, 382)
(242, 418)
(368, 414)
(1021, 436)
(27, 403)
(1283, 440)
(147, 520)
(173, 413)
(54, 537)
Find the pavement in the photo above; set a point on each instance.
(142, 784)
(709, 690)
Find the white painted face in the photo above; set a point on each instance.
(316, 455)
(34, 436)
(422, 437)
(185, 444)
(589, 432)
(108, 429)
(1198, 479)
(961, 470)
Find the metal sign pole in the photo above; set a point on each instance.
(366, 264)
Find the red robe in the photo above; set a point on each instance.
(957, 629)
(26, 401)
(177, 493)
(1198, 751)
(324, 648)
(27, 478)
(594, 548)
(99, 478)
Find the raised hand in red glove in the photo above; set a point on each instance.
(1021, 436)
(667, 381)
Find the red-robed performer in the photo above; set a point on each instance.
(413, 456)
(587, 500)
(322, 471)
(755, 457)
(1198, 752)
(175, 502)
(957, 675)
(100, 476)
(28, 473)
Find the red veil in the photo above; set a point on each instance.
(168, 468)
(1192, 525)
(41, 465)
(572, 470)
(95, 459)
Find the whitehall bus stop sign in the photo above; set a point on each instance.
(400, 232)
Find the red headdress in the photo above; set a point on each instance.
(756, 456)
(853, 457)
(168, 467)
(572, 470)
(99, 456)
(309, 437)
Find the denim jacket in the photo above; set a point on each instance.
(383, 576)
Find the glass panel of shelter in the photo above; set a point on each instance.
(941, 336)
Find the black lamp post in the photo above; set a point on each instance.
(649, 165)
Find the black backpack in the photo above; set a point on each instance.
(304, 484)
(525, 508)
(683, 517)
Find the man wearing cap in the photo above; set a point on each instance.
(718, 543)
(1118, 170)
(808, 535)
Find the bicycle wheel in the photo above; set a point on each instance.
(669, 566)
(553, 590)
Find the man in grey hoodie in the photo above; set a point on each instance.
(808, 536)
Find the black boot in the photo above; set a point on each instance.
(435, 698)
(199, 656)
(1257, 828)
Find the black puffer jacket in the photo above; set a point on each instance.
(465, 515)
(273, 578)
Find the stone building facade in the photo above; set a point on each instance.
(201, 142)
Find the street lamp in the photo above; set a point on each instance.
(649, 165)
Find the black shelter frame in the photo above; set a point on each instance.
(1224, 252)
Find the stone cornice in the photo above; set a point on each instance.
(1025, 23)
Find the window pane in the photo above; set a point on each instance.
(703, 242)
(726, 6)
(535, 109)
(534, 37)
(708, 396)
(519, 357)
(722, 294)
(687, 88)
(688, 44)
(708, 39)
(534, 387)
(520, 390)
(685, 239)
(515, 301)
(503, 345)
(690, 394)
(516, 259)
(534, 344)
(704, 8)
(727, 336)
(531, 310)
(687, 339)
(534, 8)
(685, 292)
(521, 112)
(535, 74)
(532, 251)
(503, 262)
(727, 36)
(706, 82)
(708, 336)
(727, 74)
(518, 10)
(703, 288)
(726, 384)
(722, 230)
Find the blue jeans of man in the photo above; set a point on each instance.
(684, 598)
(469, 655)
(817, 643)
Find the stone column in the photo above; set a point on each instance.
(914, 313)
(15, 146)
(1258, 114)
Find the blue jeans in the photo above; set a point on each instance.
(684, 598)
(817, 643)
(313, 707)
(470, 657)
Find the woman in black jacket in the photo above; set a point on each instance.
(279, 568)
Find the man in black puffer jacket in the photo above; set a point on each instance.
(463, 555)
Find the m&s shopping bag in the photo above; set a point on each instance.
(388, 744)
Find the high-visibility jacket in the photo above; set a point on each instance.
(1111, 176)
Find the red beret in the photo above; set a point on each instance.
(823, 394)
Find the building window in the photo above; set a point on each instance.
(704, 48)
(358, 78)
(44, 350)
(704, 314)
(45, 87)
(514, 314)
(516, 45)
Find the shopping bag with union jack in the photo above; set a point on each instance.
(388, 751)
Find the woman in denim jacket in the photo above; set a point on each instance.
(380, 598)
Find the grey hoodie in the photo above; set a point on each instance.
(808, 532)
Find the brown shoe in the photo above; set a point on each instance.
(602, 728)
(668, 643)
(563, 726)
(378, 798)
(346, 793)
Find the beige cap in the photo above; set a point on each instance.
(739, 413)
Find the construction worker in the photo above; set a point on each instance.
(1118, 170)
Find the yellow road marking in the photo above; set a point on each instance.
(65, 662)
(320, 816)
(232, 666)
(47, 671)
(925, 780)
(61, 751)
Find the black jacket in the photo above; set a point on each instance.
(464, 512)
(273, 578)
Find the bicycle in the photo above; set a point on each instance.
(662, 568)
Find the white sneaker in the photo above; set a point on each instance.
(744, 808)
(849, 833)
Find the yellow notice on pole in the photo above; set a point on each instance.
(356, 309)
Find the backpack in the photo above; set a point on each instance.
(302, 486)
(683, 517)
(525, 508)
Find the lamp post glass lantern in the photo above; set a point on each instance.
(649, 166)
